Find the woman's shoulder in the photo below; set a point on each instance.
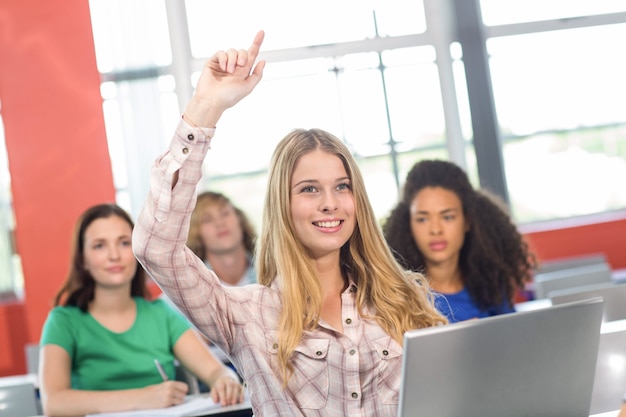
(65, 312)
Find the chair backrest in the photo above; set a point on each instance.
(546, 282)
(184, 375)
(614, 296)
(571, 262)
(18, 400)
(31, 351)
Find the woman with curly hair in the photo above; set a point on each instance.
(462, 239)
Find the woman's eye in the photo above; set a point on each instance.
(307, 189)
(344, 186)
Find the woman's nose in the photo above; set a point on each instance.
(329, 203)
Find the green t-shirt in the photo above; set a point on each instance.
(105, 360)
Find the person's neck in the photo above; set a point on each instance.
(117, 300)
(329, 274)
(230, 266)
(445, 277)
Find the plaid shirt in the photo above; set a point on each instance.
(354, 373)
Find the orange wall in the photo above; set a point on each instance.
(59, 162)
(604, 237)
(56, 143)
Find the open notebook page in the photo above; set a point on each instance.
(190, 407)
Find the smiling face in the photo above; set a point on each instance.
(107, 252)
(322, 203)
(438, 225)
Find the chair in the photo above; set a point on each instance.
(546, 282)
(18, 400)
(184, 375)
(31, 351)
(571, 262)
(614, 296)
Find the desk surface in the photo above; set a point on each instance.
(242, 410)
(238, 410)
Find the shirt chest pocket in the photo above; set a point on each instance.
(389, 369)
(309, 383)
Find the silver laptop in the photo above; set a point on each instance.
(614, 296)
(533, 363)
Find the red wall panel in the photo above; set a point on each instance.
(56, 143)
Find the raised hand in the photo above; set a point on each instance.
(227, 77)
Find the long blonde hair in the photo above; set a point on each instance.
(382, 284)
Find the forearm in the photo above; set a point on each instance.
(221, 372)
(160, 235)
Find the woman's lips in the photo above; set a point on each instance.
(438, 246)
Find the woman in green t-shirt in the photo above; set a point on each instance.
(106, 346)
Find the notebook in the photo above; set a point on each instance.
(193, 406)
(533, 363)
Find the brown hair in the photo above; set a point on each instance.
(78, 289)
(208, 198)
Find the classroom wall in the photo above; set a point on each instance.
(59, 161)
(57, 150)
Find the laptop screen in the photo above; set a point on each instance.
(533, 363)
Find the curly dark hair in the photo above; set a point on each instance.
(495, 261)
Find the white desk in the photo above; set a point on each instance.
(8, 381)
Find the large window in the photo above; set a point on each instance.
(391, 84)
(11, 279)
(559, 88)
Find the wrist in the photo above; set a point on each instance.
(202, 113)
(225, 372)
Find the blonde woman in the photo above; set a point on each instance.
(321, 334)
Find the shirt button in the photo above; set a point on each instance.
(318, 353)
(385, 352)
(352, 288)
(355, 395)
(185, 151)
(275, 346)
(352, 351)
(190, 136)
(348, 321)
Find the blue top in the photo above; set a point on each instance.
(460, 306)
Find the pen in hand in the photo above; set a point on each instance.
(161, 370)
